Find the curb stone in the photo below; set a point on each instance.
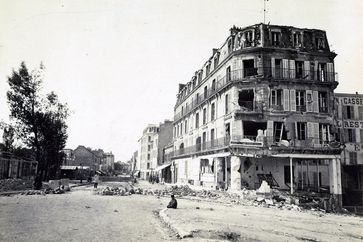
(181, 233)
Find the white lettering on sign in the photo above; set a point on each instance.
(352, 101)
(348, 124)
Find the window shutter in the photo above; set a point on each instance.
(316, 133)
(285, 66)
(309, 102)
(286, 100)
(307, 70)
(293, 100)
(315, 102)
(310, 130)
(292, 69)
(270, 129)
(273, 67)
(330, 71)
(316, 70)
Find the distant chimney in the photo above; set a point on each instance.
(356, 93)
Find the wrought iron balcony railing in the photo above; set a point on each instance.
(277, 74)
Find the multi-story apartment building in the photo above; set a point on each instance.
(260, 109)
(350, 126)
(151, 144)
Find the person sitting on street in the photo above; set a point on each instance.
(173, 203)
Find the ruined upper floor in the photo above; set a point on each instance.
(273, 45)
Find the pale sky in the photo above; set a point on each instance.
(118, 63)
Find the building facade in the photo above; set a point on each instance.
(260, 109)
(151, 144)
(350, 127)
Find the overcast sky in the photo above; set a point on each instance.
(118, 63)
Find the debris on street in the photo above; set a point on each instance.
(15, 185)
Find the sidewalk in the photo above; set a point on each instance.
(247, 223)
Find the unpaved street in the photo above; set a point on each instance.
(80, 215)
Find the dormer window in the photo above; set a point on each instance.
(275, 37)
(249, 38)
(216, 61)
(320, 43)
(200, 76)
(230, 45)
(297, 39)
(207, 69)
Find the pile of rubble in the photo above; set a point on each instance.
(122, 190)
(15, 185)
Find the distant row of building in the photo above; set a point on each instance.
(262, 107)
(84, 161)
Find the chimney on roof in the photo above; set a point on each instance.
(356, 93)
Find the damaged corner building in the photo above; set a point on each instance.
(261, 108)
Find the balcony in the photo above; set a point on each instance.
(277, 74)
(201, 147)
(267, 144)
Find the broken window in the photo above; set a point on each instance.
(279, 131)
(230, 45)
(205, 166)
(213, 111)
(197, 120)
(251, 129)
(300, 101)
(249, 68)
(297, 39)
(324, 133)
(323, 102)
(278, 68)
(228, 73)
(204, 115)
(249, 38)
(299, 69)
(301, 131)
(322, 72)
(245, 99)
(275, 37)
(312, 70)
(276, 99)
(320, 43)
